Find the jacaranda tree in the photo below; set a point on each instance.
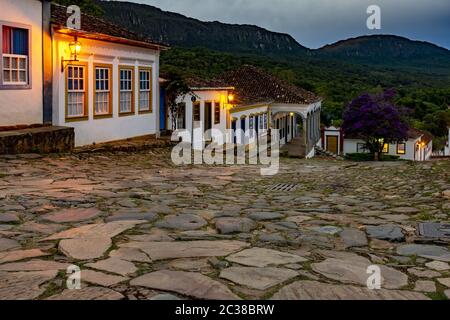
(377, 120)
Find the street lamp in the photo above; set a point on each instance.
(75, 50)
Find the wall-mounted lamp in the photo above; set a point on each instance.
(230, 97)
(75, 50)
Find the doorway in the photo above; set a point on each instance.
(208, 120)
(332, 144)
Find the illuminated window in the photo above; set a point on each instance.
(15, 56)
(102, 102)
(126, 99)
(386, 148)
(76, 91)
(145, 84)
(401, 148)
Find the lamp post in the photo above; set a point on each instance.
(75, 50)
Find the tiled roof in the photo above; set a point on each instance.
(102, 29)
(253, 85)
(199, 83)
(412, 134)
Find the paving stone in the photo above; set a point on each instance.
(133, 216)
(446, 194)
(88, 293)
(165, 297)
(445, 281)
(425, 286)
(422, 273)
(258, 278)
(17, 255)
(46, 229)
(386, 232)
(447, 294)
(114, 265)
(313, 290)
(265, 216)
(130, 254)
(438, 265)
(182, 222)
(100, 278)
(353, 238)
(425, 251)
(406, 210)
(354, 271)
(261, 257)
(110, 229)
(7, 244)
(331, 230)
(34, 265)
(85, 248)
(72, 215)
(24, 285)
(197, 265)
(189, 284)
(187, 249)
(299, 220)
(235, 225)
(9, 218)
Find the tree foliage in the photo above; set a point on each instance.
(86, 6)
(377, 120)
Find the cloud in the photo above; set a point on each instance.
(315, 23)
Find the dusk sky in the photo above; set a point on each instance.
(315, 23)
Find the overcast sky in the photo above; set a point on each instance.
(315, 23)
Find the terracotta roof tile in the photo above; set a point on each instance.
(253, 85)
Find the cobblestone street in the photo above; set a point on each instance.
(141, 228)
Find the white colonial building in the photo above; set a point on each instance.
(251, 102)
(96, 79)
(21, 63)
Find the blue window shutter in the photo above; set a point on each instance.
(20, 41)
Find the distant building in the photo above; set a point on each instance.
(419, 146)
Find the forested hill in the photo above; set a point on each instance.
(178, 30)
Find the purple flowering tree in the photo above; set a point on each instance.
(376, 120)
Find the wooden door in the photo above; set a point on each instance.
(332, 144)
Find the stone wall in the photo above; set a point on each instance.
(37, 140)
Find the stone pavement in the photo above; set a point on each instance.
(140, 228)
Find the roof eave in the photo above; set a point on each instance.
(108, 38)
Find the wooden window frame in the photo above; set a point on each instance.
(217, 106)
(401, 153)
(133, 90)
(150, 102)
(86, 92)
(103, 66)
(29, 60)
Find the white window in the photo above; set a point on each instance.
(102, 91)
(76, 91)
(145, 85)
(15, 53)
(126, 90)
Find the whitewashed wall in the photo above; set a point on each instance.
(108, 129)
(202, 97)
(239, 114)
(350, 146)
(24, 106)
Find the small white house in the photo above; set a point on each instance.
(21, 63)
(419, 146)
(111, 90)
(251, 102)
